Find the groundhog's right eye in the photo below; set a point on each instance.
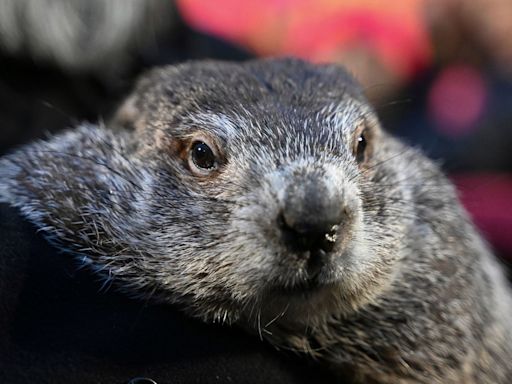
(203, 156)
(362, 147)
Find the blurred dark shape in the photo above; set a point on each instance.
(39, 96)
(82, 36)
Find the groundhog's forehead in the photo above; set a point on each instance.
(221, 86)
(278, 96)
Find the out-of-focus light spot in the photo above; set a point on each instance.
(457, 100)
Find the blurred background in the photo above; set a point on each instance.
(439, 72)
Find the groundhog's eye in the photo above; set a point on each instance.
(203, 156)
(360, 150)
(363, 141)
(362, 147)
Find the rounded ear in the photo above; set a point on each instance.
(131, 113)
(126, 116)
(59, 184)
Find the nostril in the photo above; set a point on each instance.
(329, 239)
(281, 222)
(306, 237)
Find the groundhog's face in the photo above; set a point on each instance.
(270, 196)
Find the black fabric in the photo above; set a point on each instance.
(59, 325)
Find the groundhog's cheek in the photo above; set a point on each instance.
(369, 268)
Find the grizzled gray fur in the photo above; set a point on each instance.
(266, 194)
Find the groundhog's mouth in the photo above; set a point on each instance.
(302, 288)
(312, 274)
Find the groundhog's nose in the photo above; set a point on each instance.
(312, 215)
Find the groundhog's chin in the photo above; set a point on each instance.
(291, 309)
(339, 288)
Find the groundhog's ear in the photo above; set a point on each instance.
(85, 170)
(126, 115)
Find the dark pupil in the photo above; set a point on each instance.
(203, 155)
(361, 147)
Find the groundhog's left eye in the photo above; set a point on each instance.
(203, 156)
(360, 147)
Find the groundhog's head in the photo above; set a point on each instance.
(264, 190)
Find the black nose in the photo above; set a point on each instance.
(312, 215)
(309, 238)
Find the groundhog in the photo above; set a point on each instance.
(266, 194)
